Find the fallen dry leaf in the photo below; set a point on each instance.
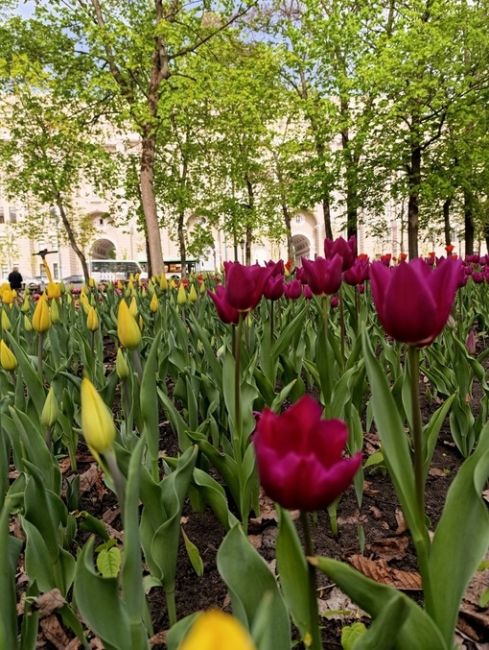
(390, 548)
(74, 644)
(109, 515)
(401, 522)
(159, 638)
(437, 471)
(369, 489)
(256, 540)
(46, 603)
(381, 572)
(338, 606)
(90, 478)
(54, 633)
(267, 513)
(352, 520)
(375, 512)
(64, 465)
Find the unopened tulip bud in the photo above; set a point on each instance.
(216, 629)
(192, 294)
(27, 324)
(202, 288)
(5, 320)
(26, 303)
(153, 305)
(7, 357)
(121, 365)
(50, 410)
(96, 419)
(54, 312)
(127, 328)
(92, 283)
(181, 295)
(92, 319)
(133, 307)
(163, 282)
(41, 319)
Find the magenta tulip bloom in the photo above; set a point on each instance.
(347, 250)
(413, 301)
(224, 310)
(300, 457)
(245, 284)
(323, 276)
(358, 273)
(293, 289)
(274, 287)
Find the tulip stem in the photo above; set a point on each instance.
(342, 326)
(417, 429)
(271, 321)
(40, 346)
(237, 390)
(117, 478)
(136, 360)
(313, 603)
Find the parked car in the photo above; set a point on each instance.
(75, 281)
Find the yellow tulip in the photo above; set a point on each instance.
(7, 357)
(54, 290)
(163, 282)
(92, 283)
(121, 366)
(153, 305)
(54, 312)
(5, 320)
(133, 307)
(173, 284)
(192, 294)
(41, 319)
(127, 328)
(92, 319)
(27, 324)
(96, 420)
(202, 287)
(120, 285)
(181, 295)
(215, 630)
(50, 410)
(8, 296)
(85, 303)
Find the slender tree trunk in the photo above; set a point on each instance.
(285, 207)
(327, 216)
(146, 177)
(414, 180)
(351, 172)
(468, 222)
(142, 220)
(486, 235)
(446, 221)
(249, 229)
(71, 237)
(181, 242)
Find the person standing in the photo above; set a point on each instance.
(15, 279)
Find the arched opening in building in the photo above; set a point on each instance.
(302, 248)
(103, 249)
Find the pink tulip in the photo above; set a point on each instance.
(293, 290)
(323, 276)
(245, 284)
(300, 457)
(347, 250)
(224, 310)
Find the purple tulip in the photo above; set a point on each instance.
(224, 310)
(274, 288)
(300, 457)
(358, 273)
(347, 250)
(413, 301)
(323, 276)
(245, 284)
(293, 290)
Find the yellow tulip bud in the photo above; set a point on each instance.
(50, 410)
(173, 284)
(41, 319)
(85, 303)
(27, 324)
(130, 283)
(163, 282)
(192, 294)
(26, 303)
(96, 419)
(92, 319)
(127, 329)
(202, 287)
(181, 295)
(7, 357)
(54, 290)
(153, 305)
(92, 283)
(5, 320)
(120, 285)
(8, 296)
(141, 323)
(54, 311)
(216, 630)
(133, 307)
(121, 366)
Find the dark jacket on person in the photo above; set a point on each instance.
(15, 280)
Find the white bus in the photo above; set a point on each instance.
(111, 270)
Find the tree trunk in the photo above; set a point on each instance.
(486, 236)
(249, 229)
(327, 216)
(71, 238)
(446, 221)
(181, 243)
(468, 222)
(351, 172)
(414, 180)
(285, 208)
(148, 199)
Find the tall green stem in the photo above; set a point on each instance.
(342, 326)
(315, 643)
(417, 430)
(271, 321)
(40, 346)
(238, 429)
